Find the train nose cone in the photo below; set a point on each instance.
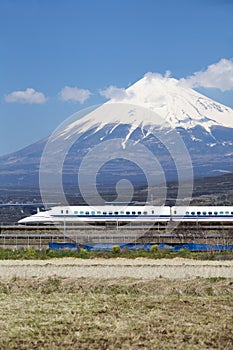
(23, 221)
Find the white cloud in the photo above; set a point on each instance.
(74, 94)
(218, 75)
(27, 96)
(149, 76)
(113, 92)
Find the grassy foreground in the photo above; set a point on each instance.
(61, 313)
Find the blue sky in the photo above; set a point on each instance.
(58, 57)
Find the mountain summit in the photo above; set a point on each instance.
(177, 105)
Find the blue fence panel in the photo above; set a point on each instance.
(91, 247)
(196, 247)
(60, 246)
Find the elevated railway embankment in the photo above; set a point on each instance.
(38, 236)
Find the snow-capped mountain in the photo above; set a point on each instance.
(146, 113)
(179, 106)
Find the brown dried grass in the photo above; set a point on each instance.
(66, 313)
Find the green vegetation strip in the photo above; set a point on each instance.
(28, 254)
(64, 313)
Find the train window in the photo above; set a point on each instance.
(204, 213)
(128, 213)
(116, 212)
(192, 212)
(145, 213)
(210, 212)
(221, 213)
(110, 213)
(152, 212)
(98, 212)
(61, 211)
(226, 212)
(93, 213)
(87, 212)
(139, 212)
(104, 213)
(81, 213)
(231, 212)
(174, 211)
(133, 212)
(122, 212)
(215, 213)
(198, 213)
(187, 213)
(67, 211)
(75, 212)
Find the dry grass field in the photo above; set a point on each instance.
(91, 313)
(140, 268)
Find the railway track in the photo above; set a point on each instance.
(40, 236)
(160, 226)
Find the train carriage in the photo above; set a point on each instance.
(130, 214)
(202, 213)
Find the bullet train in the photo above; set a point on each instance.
(129, 214)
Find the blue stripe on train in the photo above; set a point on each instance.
(110, 216)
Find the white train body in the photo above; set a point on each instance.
(131, 213)
(202, 213)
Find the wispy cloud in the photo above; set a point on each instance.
(28, 96)
(150, 75)
(218, 75)
(113, 92)
(74, 94)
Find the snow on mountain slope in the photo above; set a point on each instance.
(178, 105)
(162, 102)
